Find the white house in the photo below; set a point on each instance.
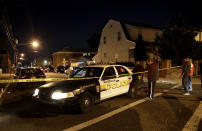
(118, 41)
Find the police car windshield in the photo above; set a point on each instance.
(88, 72)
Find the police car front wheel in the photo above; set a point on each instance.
(85, 102)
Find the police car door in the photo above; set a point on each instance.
(107, 83)
(123, 80)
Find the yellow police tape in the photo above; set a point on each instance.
(59, 79)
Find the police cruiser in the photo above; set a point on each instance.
(88, 85)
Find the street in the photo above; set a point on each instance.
(169, 110)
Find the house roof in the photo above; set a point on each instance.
(141, 25)
(126, 32)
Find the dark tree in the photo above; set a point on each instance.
(177, 40)
(93, 41)
(140, 49)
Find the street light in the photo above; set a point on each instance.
(35, 44)
(22, 54)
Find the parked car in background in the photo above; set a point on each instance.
(44, 69)
(60, 69)
(51, 69)
(29, 73)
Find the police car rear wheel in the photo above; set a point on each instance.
(85, 102)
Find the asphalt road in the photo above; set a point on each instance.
(169, 111)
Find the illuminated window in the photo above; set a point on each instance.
(84, 54)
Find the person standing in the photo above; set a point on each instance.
(69, 71)
(152, 76)
(190, 75)
(185, 75)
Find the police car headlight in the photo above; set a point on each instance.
(59, 95)
(36, 92)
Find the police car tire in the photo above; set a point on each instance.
(85, 102)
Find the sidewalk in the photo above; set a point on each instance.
(195, 80)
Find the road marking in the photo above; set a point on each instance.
(176, 86)
(110, 114)
(192, 124)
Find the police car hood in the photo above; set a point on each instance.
(68, 85)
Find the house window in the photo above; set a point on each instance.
(105, 41)
(119, 35)
(131, 53)
(105, 55)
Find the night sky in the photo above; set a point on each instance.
(59, 23)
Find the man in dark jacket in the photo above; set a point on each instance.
(185, 75)
(152, 76)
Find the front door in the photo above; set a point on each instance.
(108, 83)
(123, 79)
